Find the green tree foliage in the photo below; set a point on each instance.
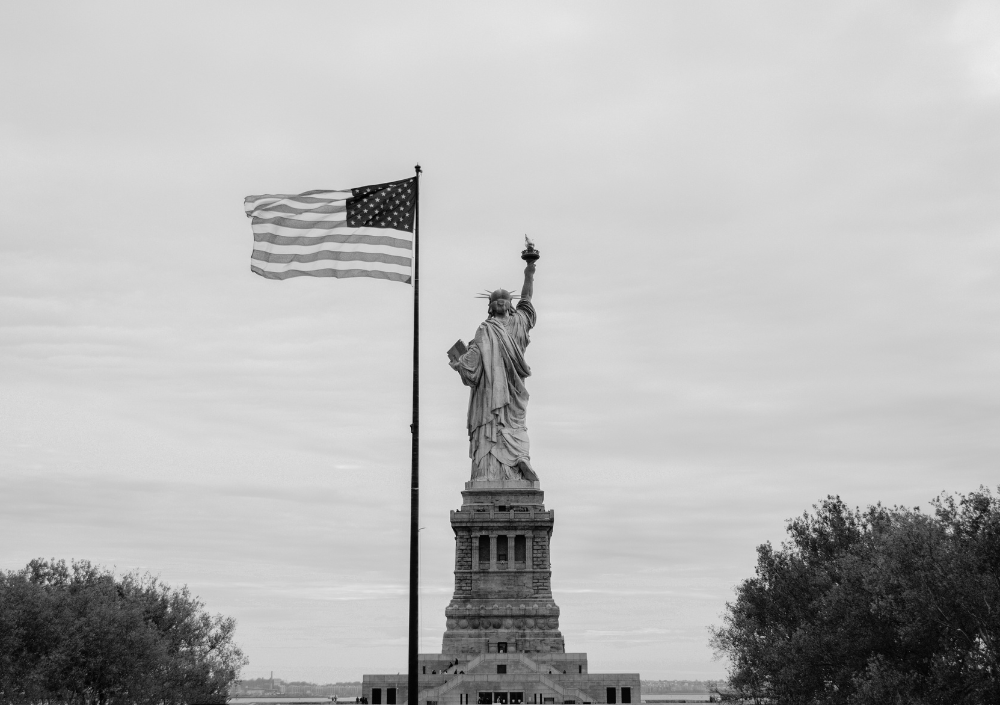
(881, 607)
(79, 634)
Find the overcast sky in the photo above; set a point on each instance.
(770, 238)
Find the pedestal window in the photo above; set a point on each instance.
(502, 551)
(484, 552)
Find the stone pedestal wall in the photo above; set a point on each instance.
(502, 604)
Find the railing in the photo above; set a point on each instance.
(509, 510)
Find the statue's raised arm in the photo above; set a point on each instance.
(493, 366)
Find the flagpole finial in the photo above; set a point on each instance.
(417, 169)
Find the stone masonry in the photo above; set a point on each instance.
(503, 588)
(502, 643)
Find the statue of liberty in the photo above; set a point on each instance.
(493, 366)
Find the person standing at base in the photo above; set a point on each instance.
(495, 369)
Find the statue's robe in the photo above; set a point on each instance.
(495, 369)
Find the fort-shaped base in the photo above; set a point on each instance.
(505, 678)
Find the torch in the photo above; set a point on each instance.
(529, 254)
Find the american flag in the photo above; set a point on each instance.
(361, 232)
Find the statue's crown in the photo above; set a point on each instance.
(497, 295)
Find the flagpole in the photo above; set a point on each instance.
(413, 688)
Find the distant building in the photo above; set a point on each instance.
(263, 687)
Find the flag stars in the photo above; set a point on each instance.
(383, 205)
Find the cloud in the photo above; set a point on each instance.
(769, 255)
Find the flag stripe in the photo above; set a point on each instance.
(307, 217)
(293, 206)
(252, 203)
(338, 273)
(292, 258)
(297, 205)
(269, 225)
(322, 229)
(331, 264)
(345, 236)
(271, 248)
(303, 217)
(309, 214)
(338, 194)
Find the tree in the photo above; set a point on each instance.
(79, 634)
(883, 606)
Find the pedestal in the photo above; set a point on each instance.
(502, 644)
(503, 590)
